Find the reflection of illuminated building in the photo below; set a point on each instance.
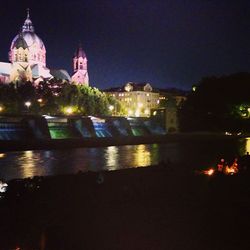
(111, 156)
(29, 165)
(247, 149)
(142, 156)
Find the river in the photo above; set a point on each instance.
(195, 155)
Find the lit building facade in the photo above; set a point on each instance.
(27, 57)
(137, 99)
(27, 61)
(80, 67)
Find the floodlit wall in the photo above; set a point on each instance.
(47, 128)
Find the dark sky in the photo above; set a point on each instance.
(166, 43)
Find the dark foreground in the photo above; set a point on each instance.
(145, 208)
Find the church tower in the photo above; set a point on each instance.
(80, 75)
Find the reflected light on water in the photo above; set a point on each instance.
(111, 156)
(29, 165)
(247, 145)
(142, 156)
(2, 155)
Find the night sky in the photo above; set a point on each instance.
(166, 43)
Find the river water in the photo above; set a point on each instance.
(193, 155)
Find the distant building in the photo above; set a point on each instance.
(180, 96)
(27, 57)
(27, 61)
(137, 98)
(167, 116)
(80, 67)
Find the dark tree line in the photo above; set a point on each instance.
(218, 104)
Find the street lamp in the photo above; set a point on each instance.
(27, 104)
(69, 110)
(111, 108)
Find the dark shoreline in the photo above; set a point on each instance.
(159, 207)
(108, 141)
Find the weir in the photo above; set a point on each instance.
(75, 127)
(13, 129)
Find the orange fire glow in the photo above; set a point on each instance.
(209, 171)
(231, 170)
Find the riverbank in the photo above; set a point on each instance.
(29, 144)
(160, 207)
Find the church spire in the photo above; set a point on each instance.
(80, 52)
(28, 26)
(28, 13)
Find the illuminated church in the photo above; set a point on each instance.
(27, 61)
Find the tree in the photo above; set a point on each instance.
(215, 104)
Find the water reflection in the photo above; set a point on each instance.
(247, 148)
(111, 156)
(142, 156)
(51, 162)
(29, 164)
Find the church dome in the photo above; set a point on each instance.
(28, 37)
(20, 42)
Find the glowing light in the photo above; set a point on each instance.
(142, 156)
(140, 105)
(3, 187)
(247, 149)
(69, 110)
(147, 111)
(209, 171)
(111, 107)
(111, 156)
(137, 113)
(40, 100)
(1, 108)
(231, 170)
(154, 113)
(2, 155)
(130, 112)
(27, 104)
